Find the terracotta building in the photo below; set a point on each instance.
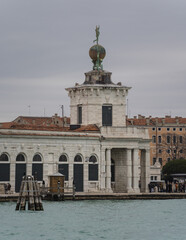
(168, 136)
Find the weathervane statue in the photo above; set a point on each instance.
(97, 34)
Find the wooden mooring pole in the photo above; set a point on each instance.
(29, 191)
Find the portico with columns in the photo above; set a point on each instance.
(130, 169)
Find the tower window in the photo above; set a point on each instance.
(79, 112)
(107, 115)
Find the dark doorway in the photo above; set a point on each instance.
(5, 172)
(37, 171)
(63, 169)
(112, 170)
(78, 177)
(93, 172)
(20, 172)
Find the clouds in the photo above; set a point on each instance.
(44, 48)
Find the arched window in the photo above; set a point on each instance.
(20, 158)
(63, 167)
(4, 157)
(78, 158)
(4, 168)
(63, 158)
(93, 169)
(93, 159)
(37, 158)
(174, 139)
(159, 139)
(154, 139)
(168, 139)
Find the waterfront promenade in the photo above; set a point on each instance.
(108, 196)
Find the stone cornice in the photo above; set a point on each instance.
(97, 86)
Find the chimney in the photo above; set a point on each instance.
(147, 121)
(140, 116)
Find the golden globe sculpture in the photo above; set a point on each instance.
(97, 54)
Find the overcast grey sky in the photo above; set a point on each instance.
(44, 48)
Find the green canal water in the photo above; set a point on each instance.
(84, 220)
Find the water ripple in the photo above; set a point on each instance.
(89, 220)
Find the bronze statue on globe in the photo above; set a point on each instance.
(97, 34)
(97, 52)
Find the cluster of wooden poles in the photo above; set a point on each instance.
(29, 191)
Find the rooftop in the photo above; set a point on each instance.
(156, 121)
(54, 123)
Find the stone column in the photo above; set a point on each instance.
(12, 175)
(29, 168)
(45, 173)
(29, 161)
(71, 174)
(136, 164)
(55, 168)
(85, 177)
(145, 169)
(147, 165)
(108, 170)
(102, 170)
(129, 170)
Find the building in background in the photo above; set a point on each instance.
(168, 137)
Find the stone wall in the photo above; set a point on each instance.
(93, 98)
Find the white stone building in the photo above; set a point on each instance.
(97, 152)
